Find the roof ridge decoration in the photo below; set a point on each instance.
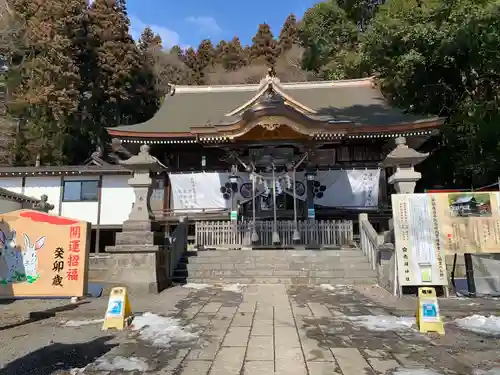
(192, 89)
(268, 83)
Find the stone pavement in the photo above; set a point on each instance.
(257, 329)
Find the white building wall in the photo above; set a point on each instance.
(117, 198)
(86, 211)
(14, 184)
(49, 185)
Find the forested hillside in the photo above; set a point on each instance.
(74, 70)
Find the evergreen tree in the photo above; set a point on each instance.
(151, 48)
(149, 42)
(44, 80)
(219, 51)
(119, 89)
(177, 51)
(289, 34)
(205, 55)
(264, 46)
(233, 57)
(190, 58)
(325, 33)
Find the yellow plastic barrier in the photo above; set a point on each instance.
(118, 312)
(428, 316)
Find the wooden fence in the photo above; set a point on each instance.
(227, 234)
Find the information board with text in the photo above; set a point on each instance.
(429, 226)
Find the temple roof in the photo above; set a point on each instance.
(329, 103)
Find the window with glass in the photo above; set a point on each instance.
(81, 191)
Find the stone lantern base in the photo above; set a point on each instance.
(137, 260)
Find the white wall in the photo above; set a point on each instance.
(49, 185)
(86, 211)
(14, 184)
(117, 198)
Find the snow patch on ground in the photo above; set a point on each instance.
(80, 323)
(196, 286)
(235, 288)
(486, 325)
(76, 371)
(414, 371)
(121, 363)
(337, 289)
(162, 331)
(493, 371)
(382, 323)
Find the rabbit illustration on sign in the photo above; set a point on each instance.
(19, 265)
(11, 259)
(30, 257)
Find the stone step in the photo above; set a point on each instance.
(346, 266)
(281, 280)
(313, 266)
(277, 253)
(202, 273)
(340, 261)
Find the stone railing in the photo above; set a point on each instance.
(370, 239)
(379, 249)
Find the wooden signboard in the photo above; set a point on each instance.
(429, 226)
(43, 255)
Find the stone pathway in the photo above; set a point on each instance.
(252, 330)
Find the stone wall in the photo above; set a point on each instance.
(385, 267)
(139, 272)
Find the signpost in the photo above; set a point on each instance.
(43, 255)
(234, 215)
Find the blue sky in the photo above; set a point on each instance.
(187, 22)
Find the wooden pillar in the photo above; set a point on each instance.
(383, 196)
(311, 214)
(166, 195)
(99, 205)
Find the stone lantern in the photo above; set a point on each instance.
(137, 234)
(404, 159)
(142, 165)
(136, 259)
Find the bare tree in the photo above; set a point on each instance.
(245, 75)
(170, 69)
(288, 66)
(288, 69)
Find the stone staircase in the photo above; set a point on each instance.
(337, 267)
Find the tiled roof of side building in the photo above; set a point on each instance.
(358, 101)
(10, 195)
